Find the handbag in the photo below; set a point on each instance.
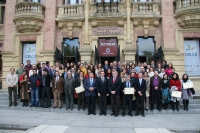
(75, 95)
(192, 90)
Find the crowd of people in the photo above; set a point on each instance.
(102, 83)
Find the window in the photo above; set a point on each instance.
(2, 12)
(100, 1)
(71, 2)
(2, 1)
(38, 1)
(142, 0)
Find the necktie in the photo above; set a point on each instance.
(140, 81)
(90, 82)
(114, 80)
(102, 79)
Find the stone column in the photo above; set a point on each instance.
(129, 50)
(86, 51)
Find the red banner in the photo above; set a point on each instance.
(108, 47)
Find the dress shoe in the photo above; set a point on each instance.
(123, 114)
(116, 114)
(31, 106)
(159, 109)
(36, 106)
(100, 113)
(15, 104)
(54, 107)
(88, 113)
(94, 113)
(177, 109)
(112, 113)
(136, 114)
(83, 109)
(78, 109)
(60, 107)
(143, 115)
(130, 114)
(67, 108)
(10, 105)
(105, 113)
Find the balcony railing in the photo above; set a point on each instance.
(70, 10)
(186, 3)
(145, 7)
(107, 7)
(29, 16)
(30, 7)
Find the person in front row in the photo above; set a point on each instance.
(115, 88)
(103, 92)
(90, 93)
(69, 87)
(57, 89)
(140, 86)
(127, 97)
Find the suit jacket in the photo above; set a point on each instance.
(115, 86)
(47, 80)
(63, 75)
(125, 86)
(87, 86)
(59, 85)
(141, 88)
(69, 85)
(102, 87)
(159, 83)
(106, 71)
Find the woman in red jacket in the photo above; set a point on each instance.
(175, 85)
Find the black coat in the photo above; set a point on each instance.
(141, 88)
(115, 86)
(102, 87)
(48, 79)
(78, 81)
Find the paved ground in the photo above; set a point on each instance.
(82, 123)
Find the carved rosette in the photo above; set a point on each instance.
(29, 16)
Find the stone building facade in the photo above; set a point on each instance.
(48, 23)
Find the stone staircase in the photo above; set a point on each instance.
(194, 106)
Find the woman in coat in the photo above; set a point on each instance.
(165, 92)
(81, 96)
(175, 85)
(186, 93)
(146, 101)
(24, 90)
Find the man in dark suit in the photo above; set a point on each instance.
(57, 89)
(115, 89)
(103, 92)
(127, 97)
(46, 79)
(64, 74)
(74, 74)
(105, 68)
(140, 86)
(90, 93)
(155, 89)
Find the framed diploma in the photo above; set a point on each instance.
(79, 89)
(176, 94)
(129, 91)
(188, 85)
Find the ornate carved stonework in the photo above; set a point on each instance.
(29, 16)
(187, 14)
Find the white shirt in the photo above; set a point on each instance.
(31, 73)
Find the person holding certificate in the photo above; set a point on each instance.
(103, 92)
(81, 95)
(175, 85)
(90, 93)
(186, 93)
(127, 97)
(140, 86)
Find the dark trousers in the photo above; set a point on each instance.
(81, 100)
(155, 95)
(14, 90)
(115, 100)
(103, 103)
(91, 104)
(19, 90)
(175, 103)
(46, 91)
(140, 104)
(127, 98)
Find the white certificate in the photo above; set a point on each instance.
(176, 94)
(129, 91)
(79, 89)
(188, 85)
